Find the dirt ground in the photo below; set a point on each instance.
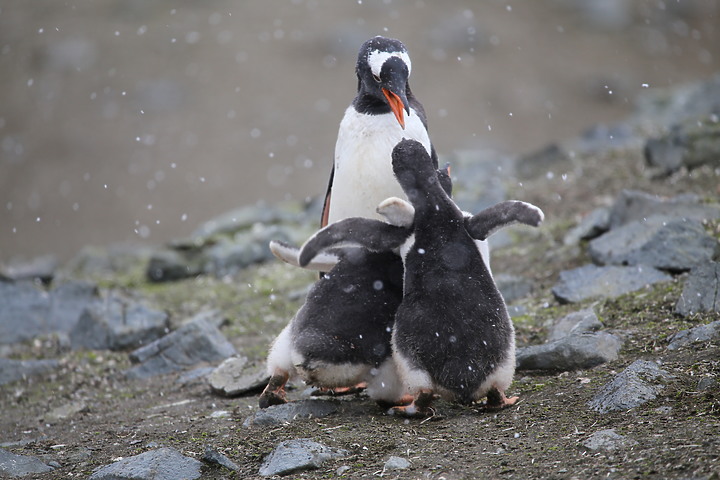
(136, 121)
(677, 434)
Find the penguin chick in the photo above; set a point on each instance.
(452, 335)
(341, 336)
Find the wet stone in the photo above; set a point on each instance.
(288, 412)
(14, 370)
(637, 384)
(574, 352)
(608, 440)
(576, 322)
(634, 205)
(661, 242)
(235, 376)
(195, 342)
(592, 281)
(296, 455)
(701, 292)
(161, 464)
(12, 465)
(117, 324)
(703, 333)
(214, 457)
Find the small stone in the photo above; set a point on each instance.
(214, 457)
(691, 143)
(592, 225)
(14, 370)
(592, 281)
(170, 265)
(661, 242)
(341, 470)
(295, 455)
(637, 384)
(288, 412)
(161, 464)
(12, 465)
(195, 342)
(702, 333)
(706, 383)
(608, 440)
(700, 293)
(235, 376)
(576, 322)
(396, 463)
(117, 324)
(65, 411)
(573, 352)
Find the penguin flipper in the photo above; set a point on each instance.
(290, 254)
(397, 212)
(374, 235)
(503, 214)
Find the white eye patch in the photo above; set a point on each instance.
(376, 59)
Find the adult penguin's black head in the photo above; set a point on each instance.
(383, 68)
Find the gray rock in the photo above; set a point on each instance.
(592, 225)
(161, 464)
(690, 144)
(214, 457)
(701, 292)
(29, 312)
(96, 263)
(117, 324)
(633, 205)
(41, 268)
(573, 323)
(244, 218)
(513, 287)
(287, 412)
(637, 384)
(574, 352)
(703, 333)
(608, 440)
(552, 158)
(195, 342)
(295, 455)
(602, 138)
(591, 281)
(396, 463)
(14, 370)
(235, 377)
(12, 465)
(194, 375)
(65, 411)
(228, 256)
(665, 243)
(170, 265)
(478, 177)
(671, 105)
(706, 383)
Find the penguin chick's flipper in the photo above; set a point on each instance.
(397, 212)
(374, 235)
(274, 393)
(503, 214)
(323, 262)
(496, 400)
(419, 408)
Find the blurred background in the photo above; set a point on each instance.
(135, 121)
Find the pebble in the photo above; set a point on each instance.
(396, 463)
(161, 464)
(637, 384)
(65, 411)
(592, 281)
(608, 440)
(235, 376)
(214, 457)
(288, 412)
(196, 341)
(573, 352)
(300, 454)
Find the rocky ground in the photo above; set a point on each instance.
(109, 364)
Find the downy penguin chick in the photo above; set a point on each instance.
(453, 335)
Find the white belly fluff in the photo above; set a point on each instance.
(363, 162)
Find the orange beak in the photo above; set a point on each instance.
(396, 105)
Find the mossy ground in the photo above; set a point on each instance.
(678, 433)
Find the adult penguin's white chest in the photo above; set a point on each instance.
(363, 161)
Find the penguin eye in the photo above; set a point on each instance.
(376, 78)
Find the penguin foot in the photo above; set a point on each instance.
(418, 408)
(337, 391)
(274, 393)
(496, 400)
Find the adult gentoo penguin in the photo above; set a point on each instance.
(384, 112)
